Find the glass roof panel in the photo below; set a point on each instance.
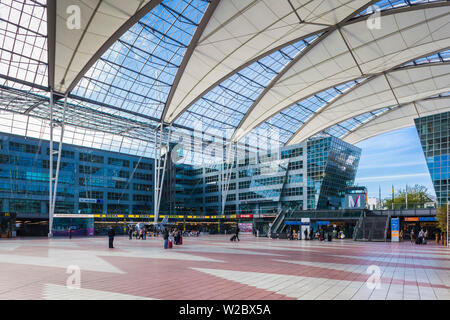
(225, 105)
(137, 71)
(23, 40)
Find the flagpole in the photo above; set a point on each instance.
(406, 196)
(393, 197)
(379, 190)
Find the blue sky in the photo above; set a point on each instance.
(394, 158)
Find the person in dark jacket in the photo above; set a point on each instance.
(306, 234)
(111, 234)
(237, 233)
(165, 237)
(130, 233)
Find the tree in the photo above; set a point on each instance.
(417, 197)
(441, 215)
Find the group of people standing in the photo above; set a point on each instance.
(309, 234)
(172, 236)
(421, 237)
(139, 233)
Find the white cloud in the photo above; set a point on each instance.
(392, 165)
(391, 177)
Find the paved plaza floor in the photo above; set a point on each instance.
(213, 268)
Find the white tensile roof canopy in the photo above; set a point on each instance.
(348, 68)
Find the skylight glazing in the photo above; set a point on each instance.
(225, 105)
(23, 40)
(137, 71)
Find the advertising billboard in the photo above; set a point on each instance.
(395, 230)
(246, 227)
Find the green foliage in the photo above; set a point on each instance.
(417, 197)
(441, 215)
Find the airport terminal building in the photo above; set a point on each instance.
(110, 186)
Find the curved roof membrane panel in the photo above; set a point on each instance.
(397, 87)
(137, 72)
(83, 30)
(243, 31)
(355, 51)
(397, 118)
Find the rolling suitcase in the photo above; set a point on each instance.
(169, 244)
(181, 240)
(233, 238)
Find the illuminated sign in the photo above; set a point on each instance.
(245, 216)
(64, 215)
(395, 230)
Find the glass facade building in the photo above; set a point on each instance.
(91, 181)
(434, 134)
(310, 175)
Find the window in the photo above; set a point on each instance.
(143, 176)
(142, 187)
(212, 188)
(211, 179)
(87, 157)
(244, 184)
(117, 196)
(142, 165)
(64, 153)
(119, 162)
(22, 147)
(212, 199)
(142, 197)
(295, 165)
(286, 154)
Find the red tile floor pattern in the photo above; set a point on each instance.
(213, 268)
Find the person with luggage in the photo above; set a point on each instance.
(171, 239)
(237, 233)
(166, 238)
(420, 237)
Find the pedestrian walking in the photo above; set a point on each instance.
(165, 237)
(306, 234)
(111, 235)
(237, 233)
(70, 232)
(130, 233)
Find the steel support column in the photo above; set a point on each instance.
(162, 150)
(227, 170)
(53, 180)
